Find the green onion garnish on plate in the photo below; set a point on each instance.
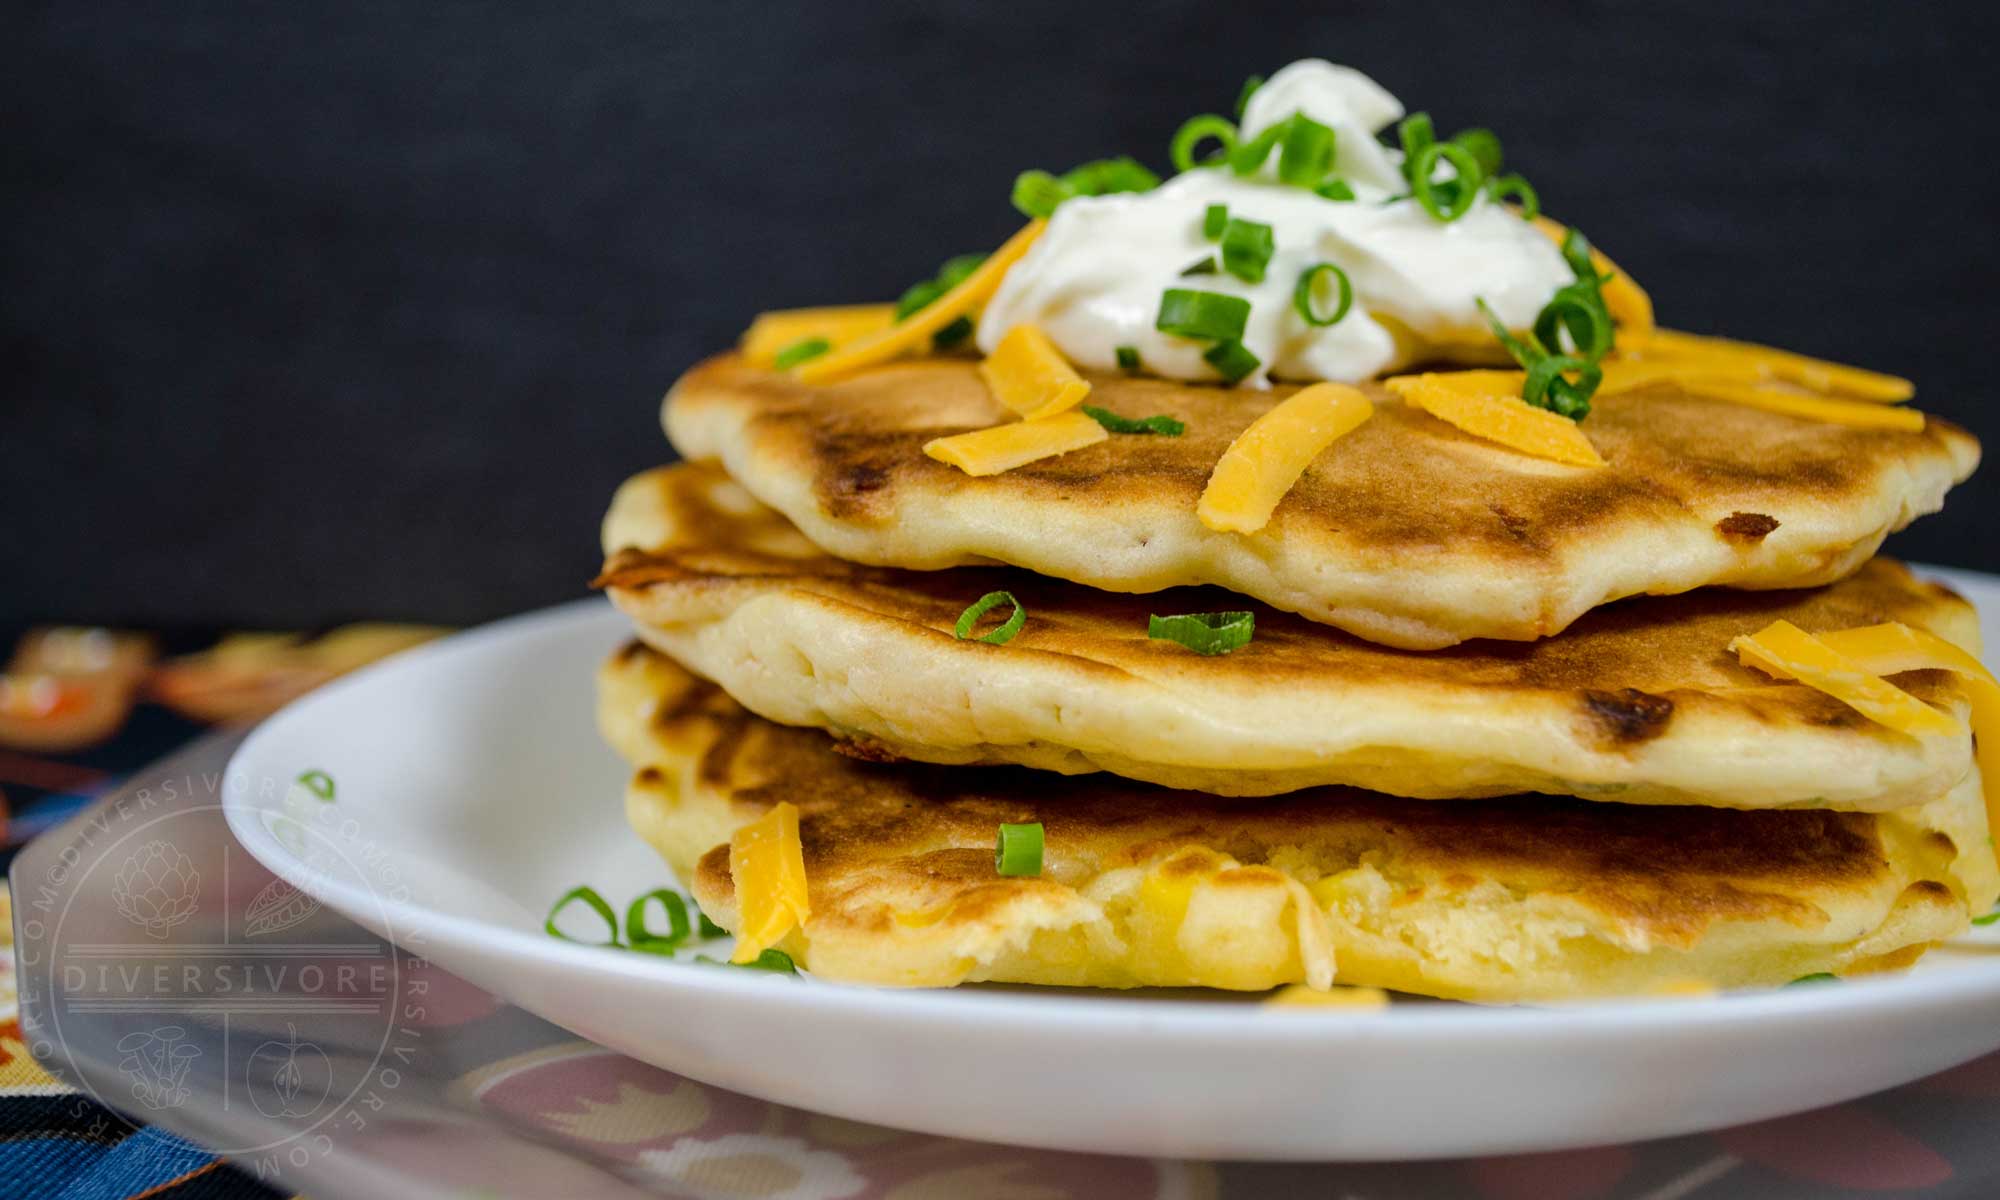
(1018, 852)
(590, 898)
(1128, 357)
(1204, 633)
(1247, 247)
(770, 960)
(1231, 359)
(1988, 919)
(1113, 423)
(708, 929)
(645, 940)
(985, 604)
(1196, 130)
(1185, 312)
(1815, 977)
(1302, 294)
(801, 350)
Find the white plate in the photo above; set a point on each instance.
(473, 789)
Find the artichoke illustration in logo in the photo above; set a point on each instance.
(156, 888)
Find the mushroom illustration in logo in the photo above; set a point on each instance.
(289, 1078)
(156, 888)
(157, 1062)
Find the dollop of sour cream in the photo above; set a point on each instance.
(1093, 281)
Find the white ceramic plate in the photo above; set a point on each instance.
(472, 790)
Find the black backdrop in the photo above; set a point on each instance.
(321, 311)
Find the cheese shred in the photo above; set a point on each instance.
(1487, 404)
(1266, 460)
(768, 868)
(1004, 447)
(1029, 375)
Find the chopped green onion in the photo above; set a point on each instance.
(1128, 357)
(1250, 87)
(644, 939)
(1988, 919)
(1514, 186)
(1204, 633)
(982, 606)
(596, 903)
(1445, 200)
(1018, 852)
(801, 350)
(770, 960)
(952, 334)
(1302, 294)
(1106, 176)
(1193, 132)
(1213, 219)
(1247, 247)
(1578, 310)
(1415, 133)
(1188, 313)
(1306, 152)
(1484, 148)
(318, 782)
(1250, 155)
(922, 294)
(916, 297)
(1232, 360)
(957, 267)
(1113, 423)
(1335, 189)
(707, 928)
(1545, 386)
(1576, 252)
(1200, 266)
(1038, 193)
(1815, 977)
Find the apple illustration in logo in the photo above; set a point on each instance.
(288, 1078)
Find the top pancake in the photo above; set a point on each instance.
(1638, 702)
(1406, 531)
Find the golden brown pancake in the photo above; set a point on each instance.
(1638, 701)
(1406, 531)
(1500, 900)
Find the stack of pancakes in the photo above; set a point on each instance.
(1488, 742)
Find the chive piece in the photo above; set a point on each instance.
(1250, 155)
(1038, 193)
(1334, 189)
(318, 782)
(1193, 132)
(801, 350)
(645, 940)
(1988, 919)
(1546, 386)
(1188, 313)
(707, 928)
(596, 904)
(1113, 423)
(776, 961)
(982, 606)
(1302, 294)
(1512, 185)
(1232, 360)
(916, 297)
(1576, 252)
(1128, 357)
(1105, 176)
(952, 334)
(1200, 266)
(1305, 153)
(1484, 147)
(1445, 200)
(957, 267)
(1250, 87)
(1415, 133)
(1815, 977)
(1213, 220)
(1204, 633)
(1246, 249)
(1018, 852)
(1579, 311)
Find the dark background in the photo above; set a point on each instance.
(313, 312)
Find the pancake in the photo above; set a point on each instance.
(1406, 531)
(1531, 898)
(1639, 701)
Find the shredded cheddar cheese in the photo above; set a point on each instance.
(839, 325)
(1266, 460)
(1028, 375)
(1004, 447)
(915, 332)
(1300, 995)
(1720, 355)
(1629, 304)
(1859, 414)
(767, 864)
(1487, 404)
(1783, 650)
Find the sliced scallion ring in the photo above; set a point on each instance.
(678, 927)
(1512, 186)
(982, 606)
(1441, 202)
(1302, 294)
(1018, 852)
(1204, 633)
(1193, 132)
(596, 903)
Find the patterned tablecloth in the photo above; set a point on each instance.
(510, 1105)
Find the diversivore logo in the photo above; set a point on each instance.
(188, 977)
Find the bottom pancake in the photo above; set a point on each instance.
(1524, 898)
